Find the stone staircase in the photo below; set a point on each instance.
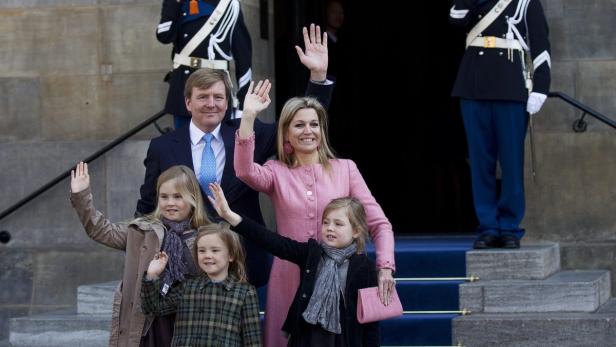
(521, 299)
(524, 299)
(88, 326)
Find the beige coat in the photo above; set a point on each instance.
(140, 240)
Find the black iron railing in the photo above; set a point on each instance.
(92, 157)
(580, 125)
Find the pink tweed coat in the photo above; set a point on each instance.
(299, 196)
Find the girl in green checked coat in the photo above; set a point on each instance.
(216, 308)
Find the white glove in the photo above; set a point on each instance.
(535, 101)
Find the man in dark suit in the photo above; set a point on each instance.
(206, 94)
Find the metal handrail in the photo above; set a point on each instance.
(92, 157)
(580, 125)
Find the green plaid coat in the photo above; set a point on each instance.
(207, 313)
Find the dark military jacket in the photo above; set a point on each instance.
(178, 26)
(488, 73)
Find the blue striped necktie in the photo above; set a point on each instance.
(207, 172)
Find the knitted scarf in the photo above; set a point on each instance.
(324, 305)
(174, 247)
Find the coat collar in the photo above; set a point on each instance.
(144, 224)
(180, 146)
(228, 283)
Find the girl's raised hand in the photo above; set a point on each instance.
(222, 206)
(218, 200)
(257, 98)
(80, 180)
(157, 265)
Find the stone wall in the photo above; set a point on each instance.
(75, 74)
(49, 254)
(573, 198)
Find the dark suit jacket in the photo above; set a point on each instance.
(174, 149)
(307, 255)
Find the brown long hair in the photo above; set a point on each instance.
(185, 182)
(289, 110)
(237, 267)
(357, 217)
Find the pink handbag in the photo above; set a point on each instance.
(370, 309)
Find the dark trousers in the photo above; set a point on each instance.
(495, 131)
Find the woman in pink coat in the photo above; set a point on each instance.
(306, 177)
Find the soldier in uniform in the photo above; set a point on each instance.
(504, 74)
(228, 40)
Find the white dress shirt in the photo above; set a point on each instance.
(197, 144)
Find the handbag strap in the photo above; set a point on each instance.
(205, 30)
(488, 19)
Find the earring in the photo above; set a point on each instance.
(287, 148)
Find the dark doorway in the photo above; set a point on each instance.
(392, 112)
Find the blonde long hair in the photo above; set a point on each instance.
(237, 267)
(289, 110)
(185, 182)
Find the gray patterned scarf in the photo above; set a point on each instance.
(324, 305)
(174, 247)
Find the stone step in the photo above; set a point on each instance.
(566, 291)
(60, 329)
(526, 263)
(608, 307)
(96, 298)
(536, 330)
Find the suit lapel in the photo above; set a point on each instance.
(181, 149)
(228, 136)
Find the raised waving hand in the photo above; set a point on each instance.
(315, 55)
(80, 180)
(257, 99)
(222, 206)
(157, 265)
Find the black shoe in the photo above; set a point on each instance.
(510, 241)
(486, 241)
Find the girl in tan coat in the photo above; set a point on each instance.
(170, 228)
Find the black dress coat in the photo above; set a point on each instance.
(307, 255)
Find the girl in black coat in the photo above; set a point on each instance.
(324, 310)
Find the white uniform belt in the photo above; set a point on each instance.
(495, 42)
(197, 63)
